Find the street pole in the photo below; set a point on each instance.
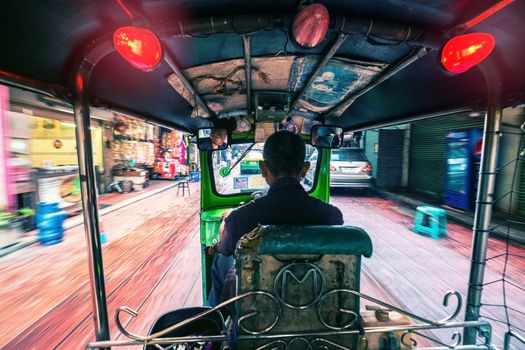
(485, 197)
(89, 200)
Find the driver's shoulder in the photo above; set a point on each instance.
(244, 208)
(324, 206)
(253, 207)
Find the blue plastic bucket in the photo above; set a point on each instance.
(50, 222)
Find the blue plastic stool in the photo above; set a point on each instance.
(431, 221)
(103, 236)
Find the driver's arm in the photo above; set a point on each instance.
(225, 245)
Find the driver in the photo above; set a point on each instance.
(322, 138)
(287, 203)
(218, 140)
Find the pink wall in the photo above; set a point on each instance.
(6, 187)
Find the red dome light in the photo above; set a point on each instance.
(310, 25)
(463, 52)
(139, 46)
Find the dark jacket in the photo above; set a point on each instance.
(287, 203)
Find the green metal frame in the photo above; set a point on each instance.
(211, 200)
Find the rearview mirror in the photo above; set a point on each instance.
(212, 139)
(325, 136)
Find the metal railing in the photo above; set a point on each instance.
(311, 339)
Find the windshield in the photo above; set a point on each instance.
(245, 175)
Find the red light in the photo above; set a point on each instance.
(332, 168)
(310, 25)
(79, 82)
(367, 168)
(139, 46)
(463, 52)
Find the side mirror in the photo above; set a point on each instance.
(212, 139)
(325, 136)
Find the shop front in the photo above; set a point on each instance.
(132, 153)
(445, 155)
(171, 155)
(141, 151)
(38, 161)
(38, 157)
(52, 146)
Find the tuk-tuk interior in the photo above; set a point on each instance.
(249, 68)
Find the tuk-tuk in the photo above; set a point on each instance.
(234, 72)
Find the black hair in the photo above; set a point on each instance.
(284, 154)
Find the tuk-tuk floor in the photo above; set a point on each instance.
(152, 264)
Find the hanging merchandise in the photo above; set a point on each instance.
(120, 127)
(133, 141)
(170, 155)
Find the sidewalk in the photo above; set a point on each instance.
(415, 199)
(109, 202)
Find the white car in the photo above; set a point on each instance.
(349, 168)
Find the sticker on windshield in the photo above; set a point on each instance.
(240, 182)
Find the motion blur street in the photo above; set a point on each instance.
(151, 262)
(152, 265)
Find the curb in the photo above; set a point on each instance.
(79, 219)
(22, 244)
(413, 204)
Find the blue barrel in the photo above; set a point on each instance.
(50, 222)
(195, 176)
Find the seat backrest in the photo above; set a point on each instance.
(300, 270)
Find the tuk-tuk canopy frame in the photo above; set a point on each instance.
(407, 68)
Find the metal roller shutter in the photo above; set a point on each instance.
(427, 151)
(520, 200)
(390, 158)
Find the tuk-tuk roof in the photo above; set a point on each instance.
(44, 41)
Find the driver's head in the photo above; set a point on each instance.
(283, 155)
(218, 136)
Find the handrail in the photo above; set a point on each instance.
(404, 312)
(366, 330)
(182, 323)
(288, 338)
